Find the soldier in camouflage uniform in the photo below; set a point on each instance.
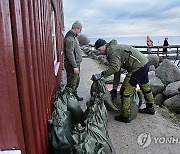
(73, 57)
(137, 66)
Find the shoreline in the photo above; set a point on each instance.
(139, 40)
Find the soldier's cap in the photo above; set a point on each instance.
(99, 43)
(77, 24)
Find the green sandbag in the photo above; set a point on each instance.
(95, 130)
(99, 133)
(134, 105)
(76, 111)
(60, 133)
(58, 94)
(86, 144)
(96, 122)
(97, 112)
(99, 87)
(73, 106)
(59, 141)
(98, 136)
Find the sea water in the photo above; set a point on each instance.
(141, 41)
(157, 40)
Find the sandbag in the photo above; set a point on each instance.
(73, 106)
(99, 87)
(97, 112)
(93, 136)
(58, 94)
(96, 122)
(60, 132)
(86, 144)
(134, 105)
(98, 136)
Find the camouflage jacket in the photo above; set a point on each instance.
(123, 56)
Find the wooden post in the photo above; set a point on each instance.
(158, 51)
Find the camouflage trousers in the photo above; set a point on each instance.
(131, 80)
(72, 79)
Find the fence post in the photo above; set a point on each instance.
(158, 51)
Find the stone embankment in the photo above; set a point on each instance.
(165, 83)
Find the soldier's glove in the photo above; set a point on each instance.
(96, 77)
(113, 93)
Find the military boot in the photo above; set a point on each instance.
(79, 98)
(148, 110)
(123, 118)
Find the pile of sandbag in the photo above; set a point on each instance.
(73, 131)
(65, 114)
(93, 138)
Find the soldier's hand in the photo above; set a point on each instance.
(76, 71)
(96, 77)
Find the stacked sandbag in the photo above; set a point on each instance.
(60, 129)
(74, 131)
(66, 114)
(85, 143)
(73, 106)
(93, 137)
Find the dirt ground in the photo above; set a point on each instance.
(147, 134)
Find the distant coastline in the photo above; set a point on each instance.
(158, 40)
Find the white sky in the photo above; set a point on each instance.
(124, 18)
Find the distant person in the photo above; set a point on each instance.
(121, 56)
(149, 43)
(165, 46)
(73, 58)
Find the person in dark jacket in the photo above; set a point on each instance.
(73, 57)
(137, 65)
(165, 45)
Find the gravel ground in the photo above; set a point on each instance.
(147, 134)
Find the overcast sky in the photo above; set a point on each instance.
(124, 18)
